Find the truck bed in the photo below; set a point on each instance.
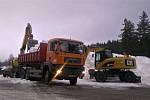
(34, 57)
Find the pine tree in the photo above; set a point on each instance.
(128, 37)
(144, 34)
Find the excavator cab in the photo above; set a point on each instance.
(102, 55)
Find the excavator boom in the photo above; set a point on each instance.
(28, 35)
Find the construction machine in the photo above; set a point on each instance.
(28, 40)
(108, 66)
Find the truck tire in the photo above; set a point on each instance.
(47, 77)
(22, 76)
(4, 75)
(130, 76)
(122, 76)
(100, 76)
(27, 76)
(73, 81)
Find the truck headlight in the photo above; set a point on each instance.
(59, 71)
(83, 72)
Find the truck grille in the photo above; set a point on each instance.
(72, 60)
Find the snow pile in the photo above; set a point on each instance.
(20, 81)
(89, 64)
(143, 69)
(35, 48)
(5, 67)
(117, 55)
(1, 77)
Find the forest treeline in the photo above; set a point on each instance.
(133, 39)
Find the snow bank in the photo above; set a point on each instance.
(89, 64)
(20, 81)
(113, 85)
(143, 69)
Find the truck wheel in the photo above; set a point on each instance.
(16, 75)
(73, 81)
(122, 76)
(22, 74)
(47, 77)
(4, 75)
(130, 76)
(100, 76)
(27, 77)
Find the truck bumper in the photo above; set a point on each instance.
(69, 73)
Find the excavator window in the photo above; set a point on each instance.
(97, 58)
(108, 53)
(102, 55)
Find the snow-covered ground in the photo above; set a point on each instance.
(20, 81)
(16, 80)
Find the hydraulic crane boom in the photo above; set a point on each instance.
(28, 35)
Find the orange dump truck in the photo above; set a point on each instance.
(59, 58)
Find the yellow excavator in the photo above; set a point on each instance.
(108, 66)
(27, 43)
(28, 39)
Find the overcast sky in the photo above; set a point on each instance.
(87, 20)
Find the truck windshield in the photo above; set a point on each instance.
(68, 46)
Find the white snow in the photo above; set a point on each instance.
(16, 80)
(34, 49)
(113, 85)
(20, 81)
(143, 69)
(5, 67)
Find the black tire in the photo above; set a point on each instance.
(22, 74)
(122, 76)
(73, 81)
(100, 76)
(47, 77)
(130, 76)
(27, 76)
(4, 75)
(17, 75)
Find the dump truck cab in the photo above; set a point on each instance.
(68, 54)
(61, 50)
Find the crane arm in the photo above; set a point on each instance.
(27, 35)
